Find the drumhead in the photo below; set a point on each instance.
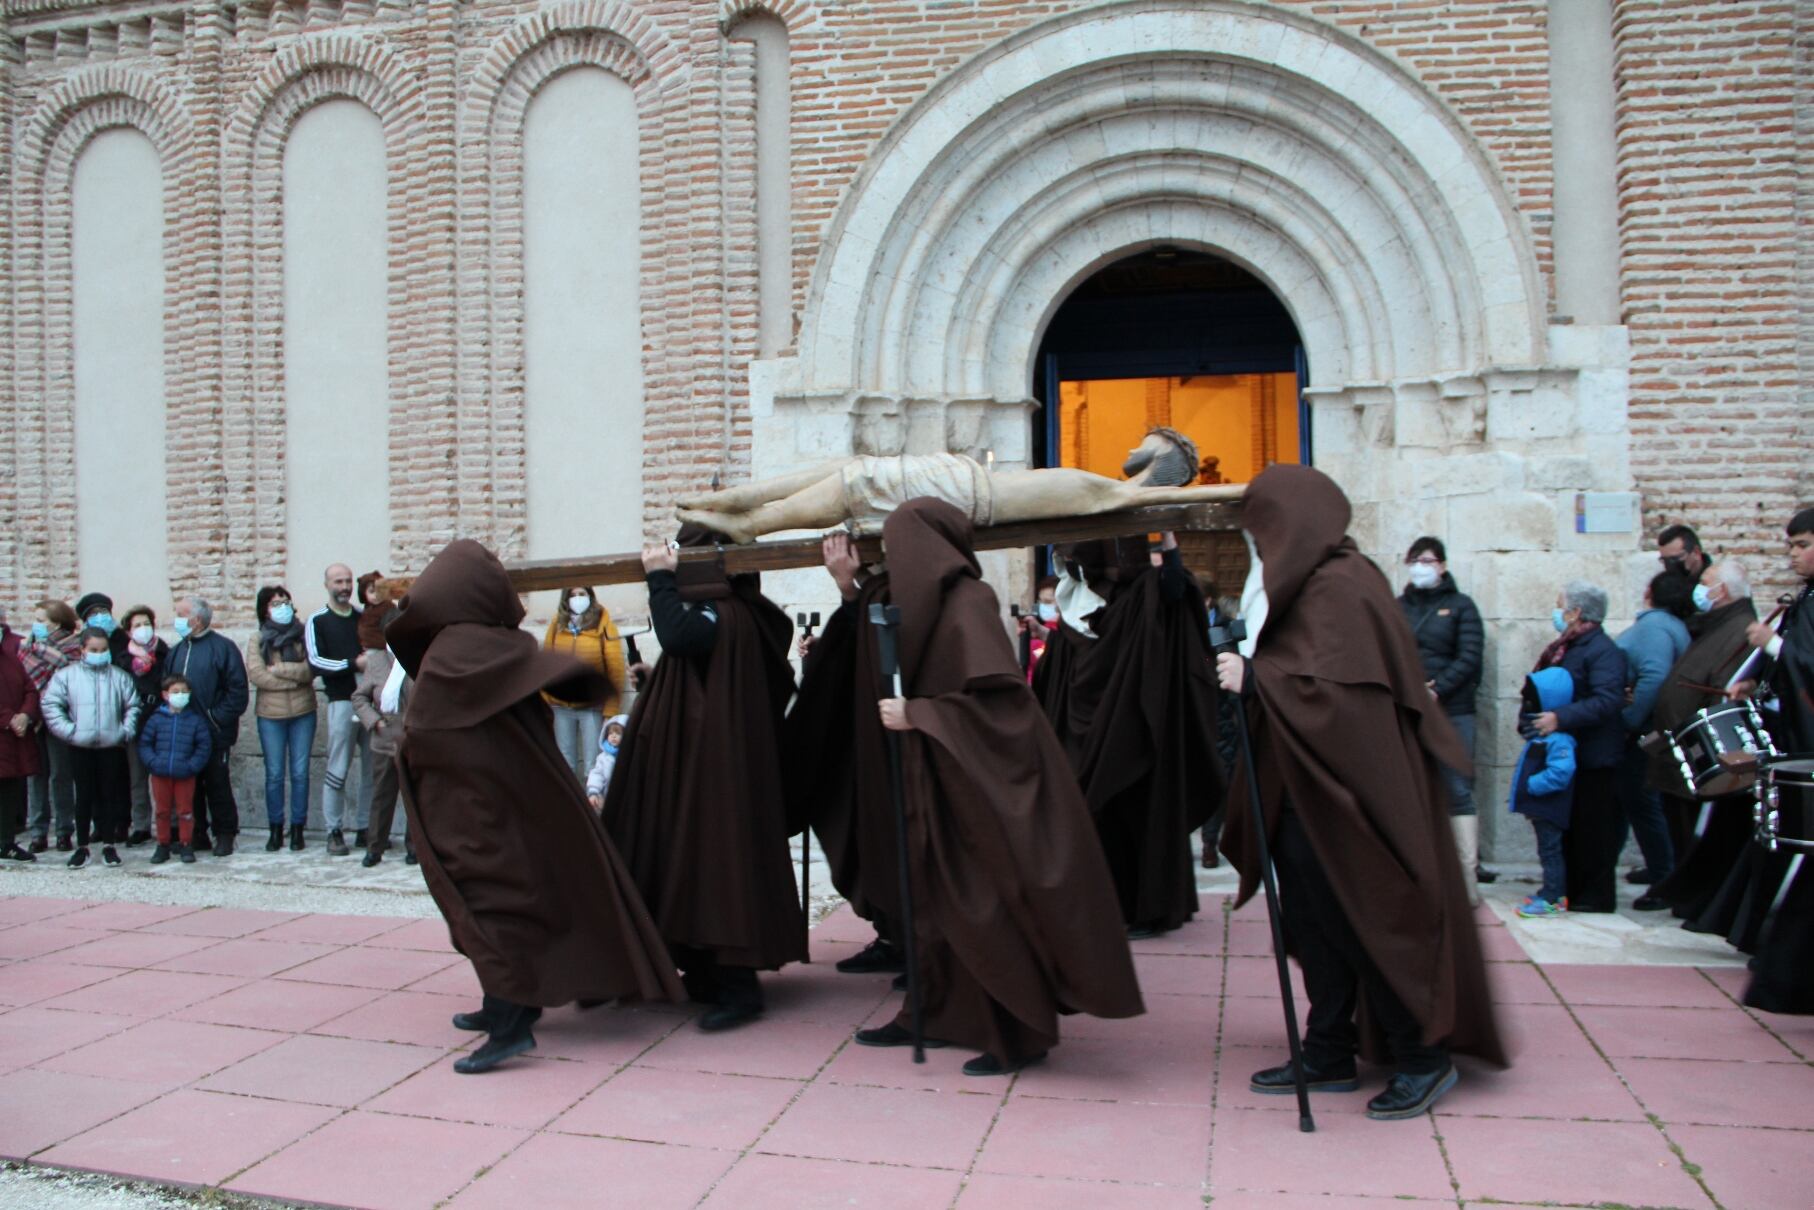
(1790, 771)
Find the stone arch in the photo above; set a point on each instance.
(300, 77)
(66, 119)
(605, 34)
(1270, 138)
(795, 14)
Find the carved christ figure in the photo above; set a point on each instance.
(864, 490)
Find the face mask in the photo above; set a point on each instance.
(182, 628)
(40, 631)
(1424, 576)
(102, 621)
(578, 603)
(1048, 613)
(1558, 621)
(143, 635)
(96, 659)
(1703, 597)
(178, 701)
(283, 614)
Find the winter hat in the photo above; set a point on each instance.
(92, 602)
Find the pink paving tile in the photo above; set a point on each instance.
(985, 1191)
(1180, 1074)
(551, 1171)
(1099, 1141)
(323, 1071)
(1518, 983)
(333, 930)
(1202, 937)
(288, 1007)
(247, 958)
(360, 966)
(1500, 944)
(1748, 1169)
(418, 1017)
(1646, 986)
(455, 980)
(1178, 975)
(189, 1137)
(1249, 939)
(1681, 1033)
(146, 993)
(779, 1182)
(691, 1108)
(376, 1160)
(1319, 1201)
(22, 909)
(843, 925)
(39, 1108)
(132, 950)
(429, 934)
(115, 916)
(606, 1035)
(1258, 1151)
(167, 1054)
(43, 978)
(536, 1092)
(819, 993)
(884, 1125)
(1520, 1161)
(893, 1067)
(1542, 1086)
(1543, 1029)
(1234, 1087)
(1731, 979)
(1723, 1094)
(1259, 977)
(36, 940)
(1256, 1022)
(1166, 1018)
(35, 1034)
(220, 922)
(789, 1049)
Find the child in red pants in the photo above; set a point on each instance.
(175, 744)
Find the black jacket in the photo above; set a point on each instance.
(1450, 640)
(1593, 718)
(216, 674)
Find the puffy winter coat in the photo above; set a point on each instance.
(176, 743)
(18, 754)
(217, 681)
(1593, 718)
(1450, 640)
(92, 707)
(1543, 783)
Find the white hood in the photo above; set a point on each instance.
(1253, 598)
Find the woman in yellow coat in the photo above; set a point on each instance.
(582, 629)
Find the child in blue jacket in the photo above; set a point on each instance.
(1543, 786)
(175, 744)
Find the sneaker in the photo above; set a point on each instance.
(337, 844)
(1538, 907)
(79, 858)
(14, 853)
(160, 855)
(65, 844)
(110, 855)
(185, 854)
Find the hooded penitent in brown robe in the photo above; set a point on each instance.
(532, 890)
(695, 803)
(1015, 915)
(1347, 737)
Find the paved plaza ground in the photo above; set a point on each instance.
(300, 1055)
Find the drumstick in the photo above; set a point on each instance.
(1747, 671)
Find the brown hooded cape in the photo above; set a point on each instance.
(696, 803)
(531, 888)
(1346, 732)
(1015, 915)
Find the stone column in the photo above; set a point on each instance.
(1584, 149)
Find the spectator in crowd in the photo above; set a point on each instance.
(277, 664)
(1450, 643)
(19, 719)
(610, 738)
(1223, 610)
(332, 639)
(145, 654)
(217, 684)
(1039, 625)
(1592, 718)
(53, 643)
(1543, 786)
(379, 701)
(174, 745)
(583, 629)
(95, 610)
(94, 708)
(1652, 644)
(1679, 548)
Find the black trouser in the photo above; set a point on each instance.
(1337, 967)
(1595, 836)
(12, 810)
(215, 807)
(103, 794)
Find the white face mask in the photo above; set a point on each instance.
(1425, 576)
(142, 635)
(578, 603)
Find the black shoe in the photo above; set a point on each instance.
(138, 838)
(201, 840)
(14, 853)
(296, 838)
(510, 1035)
(1639, 877)
(185, 854)
(1281, 1079)
(894, 1035)
(337, 844)
(40, 845)
(409, 855)
(899, 982)
(1409, 1096)
(160, 855)
(876, 957)
(362, 839)
(1482, 874)
(989, 1065)
(65, 844)
(1648, 903)
(223, 845)
(478, 1023)
(728, 1016)
(79, 858)
(372, 857)
(276, 839)
(1140, 932)
(110, 855)
(701, 987)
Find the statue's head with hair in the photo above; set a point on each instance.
(1171, 456)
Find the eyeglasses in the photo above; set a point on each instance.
(1426, 560)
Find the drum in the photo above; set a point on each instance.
(1785, 785)
(1718, 750)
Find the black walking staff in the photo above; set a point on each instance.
(1225, 640)
(807, 621)
(886, 618)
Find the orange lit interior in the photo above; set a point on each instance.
(1246, 422)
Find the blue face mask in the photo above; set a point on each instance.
(96, 659)
(1703, 598)
(102, 621)
(1557, 620)
(181, 625)
(283, 614)
(40, 631)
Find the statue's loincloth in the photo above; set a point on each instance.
(875, 487)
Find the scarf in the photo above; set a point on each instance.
(144, 659)
(285, 642)
(1552, 655)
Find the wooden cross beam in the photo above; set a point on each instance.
(534, 575)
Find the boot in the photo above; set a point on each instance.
(337, 843)
(276, 841)
(362, 839)
(509, 1036)
(1467, 847)
(161, 854)
(223, 845)
(409, 853)
(295, 838)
